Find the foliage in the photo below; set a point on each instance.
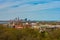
(27, 34)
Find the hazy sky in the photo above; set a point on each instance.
(31, 9)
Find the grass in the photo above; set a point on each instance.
(27, 34)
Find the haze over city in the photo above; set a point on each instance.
(31, 9)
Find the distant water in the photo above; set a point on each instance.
(4, 22)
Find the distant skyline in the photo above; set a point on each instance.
(31, 9)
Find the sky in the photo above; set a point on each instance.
(30, 9)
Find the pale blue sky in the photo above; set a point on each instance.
(31, 9)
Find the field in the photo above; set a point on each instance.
(27, 34)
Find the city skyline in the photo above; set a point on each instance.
(30, 9)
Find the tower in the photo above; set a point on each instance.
(25, 19)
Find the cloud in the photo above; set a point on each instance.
(28, 7)
(7, 3)
(48, 14)
(34, 9)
